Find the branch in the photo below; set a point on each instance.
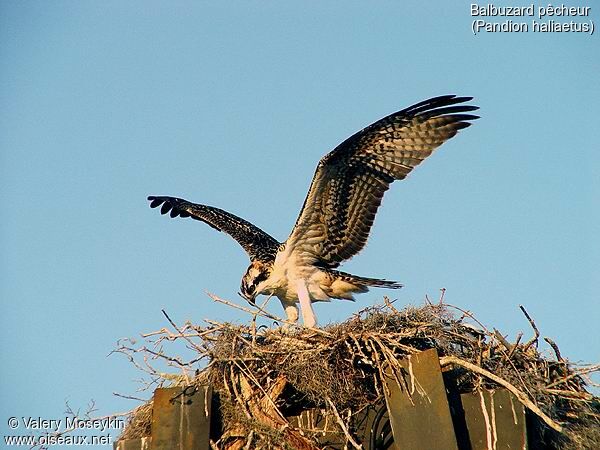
(192, 343)
(535, 329)
(522, 397)
(340, 421)
(579, 372)
(555, 348)
(259, 311)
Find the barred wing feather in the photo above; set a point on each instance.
(257, 244)
(350, 181)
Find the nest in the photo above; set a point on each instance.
(263, 375)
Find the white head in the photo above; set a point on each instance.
(255, 280)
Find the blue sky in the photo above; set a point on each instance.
(232, 104)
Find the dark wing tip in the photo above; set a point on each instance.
(443, 104)
(169, 205)
(166, 207)
(451, 108)
(458, 99)
(154, 201)
(465, 108)
(452, 99)
(392, 284)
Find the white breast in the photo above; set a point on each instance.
(288, 269)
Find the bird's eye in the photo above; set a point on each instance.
(260, 277)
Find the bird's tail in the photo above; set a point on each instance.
(366, 282)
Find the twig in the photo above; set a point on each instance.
(594, 368)
(470, 315)
(160, 332)
(390, 305)
(261, 312)
(535, 329)
(249, 440)
(442, 293)
(429, 302)
(521, 396)
(555, 348)
(355, 444)
(576, 395)
(515, 345)
(254, 317)
(502, 340)
(130, 397)
(192, 343)
(248, 373)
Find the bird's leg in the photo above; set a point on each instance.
(291, 315)
(308, 314)
(291, 312)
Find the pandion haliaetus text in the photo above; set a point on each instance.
(339, 210)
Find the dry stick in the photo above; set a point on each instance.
(521, 396)
(585, 396)
(360, 351)
(262, 313)
(515, 345)
(594, 368)
(340, 421)
(255, 316)
(472, 317)
(130, 397)
(259, 311)
(161, 332)
(128, 352)
(198, 331)
(274, 417)
(232, 386)
(249, 440)
(502, 340)
(535, 329)
(429, 302)
(442, 292)
(192, 343)
(174, 360)
(247, 372)
(518, 374)
(390, 305)
(249, 311)
(555, 348)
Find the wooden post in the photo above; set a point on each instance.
(418, 405)
(181, 418)
(495, 420)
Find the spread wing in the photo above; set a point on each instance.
(258, 244)
(349, 182)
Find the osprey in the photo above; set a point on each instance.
(338, 211)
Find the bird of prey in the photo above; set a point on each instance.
(338, 211)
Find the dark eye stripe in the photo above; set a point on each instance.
(261, 277)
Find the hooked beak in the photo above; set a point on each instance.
(250, 299)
